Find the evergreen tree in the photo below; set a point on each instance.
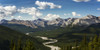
(76, 45)
(90, 46)
(12, 45)
(29, 45)
(95, 40)
(84, 44)
(19, 45)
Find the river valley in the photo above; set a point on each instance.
(50, 42)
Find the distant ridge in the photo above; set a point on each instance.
(87, 20)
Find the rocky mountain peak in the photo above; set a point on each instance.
(99, 17)
(59, 19)
(87, 20)
(89, 17)
(40, 19)
(40, 22)
(3, 21)
(14, 20)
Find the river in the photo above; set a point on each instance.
(50, 42)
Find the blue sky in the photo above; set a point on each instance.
(61, 8)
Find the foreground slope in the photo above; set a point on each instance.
(7, 34)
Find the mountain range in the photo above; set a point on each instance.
(87, 20)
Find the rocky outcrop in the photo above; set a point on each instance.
(40, 22)
(57, 22)
(22, 22)
(87, 20)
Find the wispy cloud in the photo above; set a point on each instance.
(75, 14)
(12, 17)
(67, 14)
(98, 0)
(44, 5)
(19, 17)
(31, 11)
(98, 8)
(81, 0)
(51, 16)
(72, 14)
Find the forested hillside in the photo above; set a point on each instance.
(68, 35)
(26, 29)
(9, 37)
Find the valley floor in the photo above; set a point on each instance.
(50, 42)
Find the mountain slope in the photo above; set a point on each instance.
(22, 22)
(92, 29)
(26, 29)
(20, 28)
(7, 34)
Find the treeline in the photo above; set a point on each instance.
(29, 45)
(92, 44)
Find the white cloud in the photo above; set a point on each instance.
(51, 16)
(98, 0)
(81, 0)
(31, 11)
(75, 14)
(78, 14)
(98, 8)
(1, 18)
(6, 11)
(66, 14)
(12, 16)
(19, 17)
(34, 18)
(9, 11)
(44, 5)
